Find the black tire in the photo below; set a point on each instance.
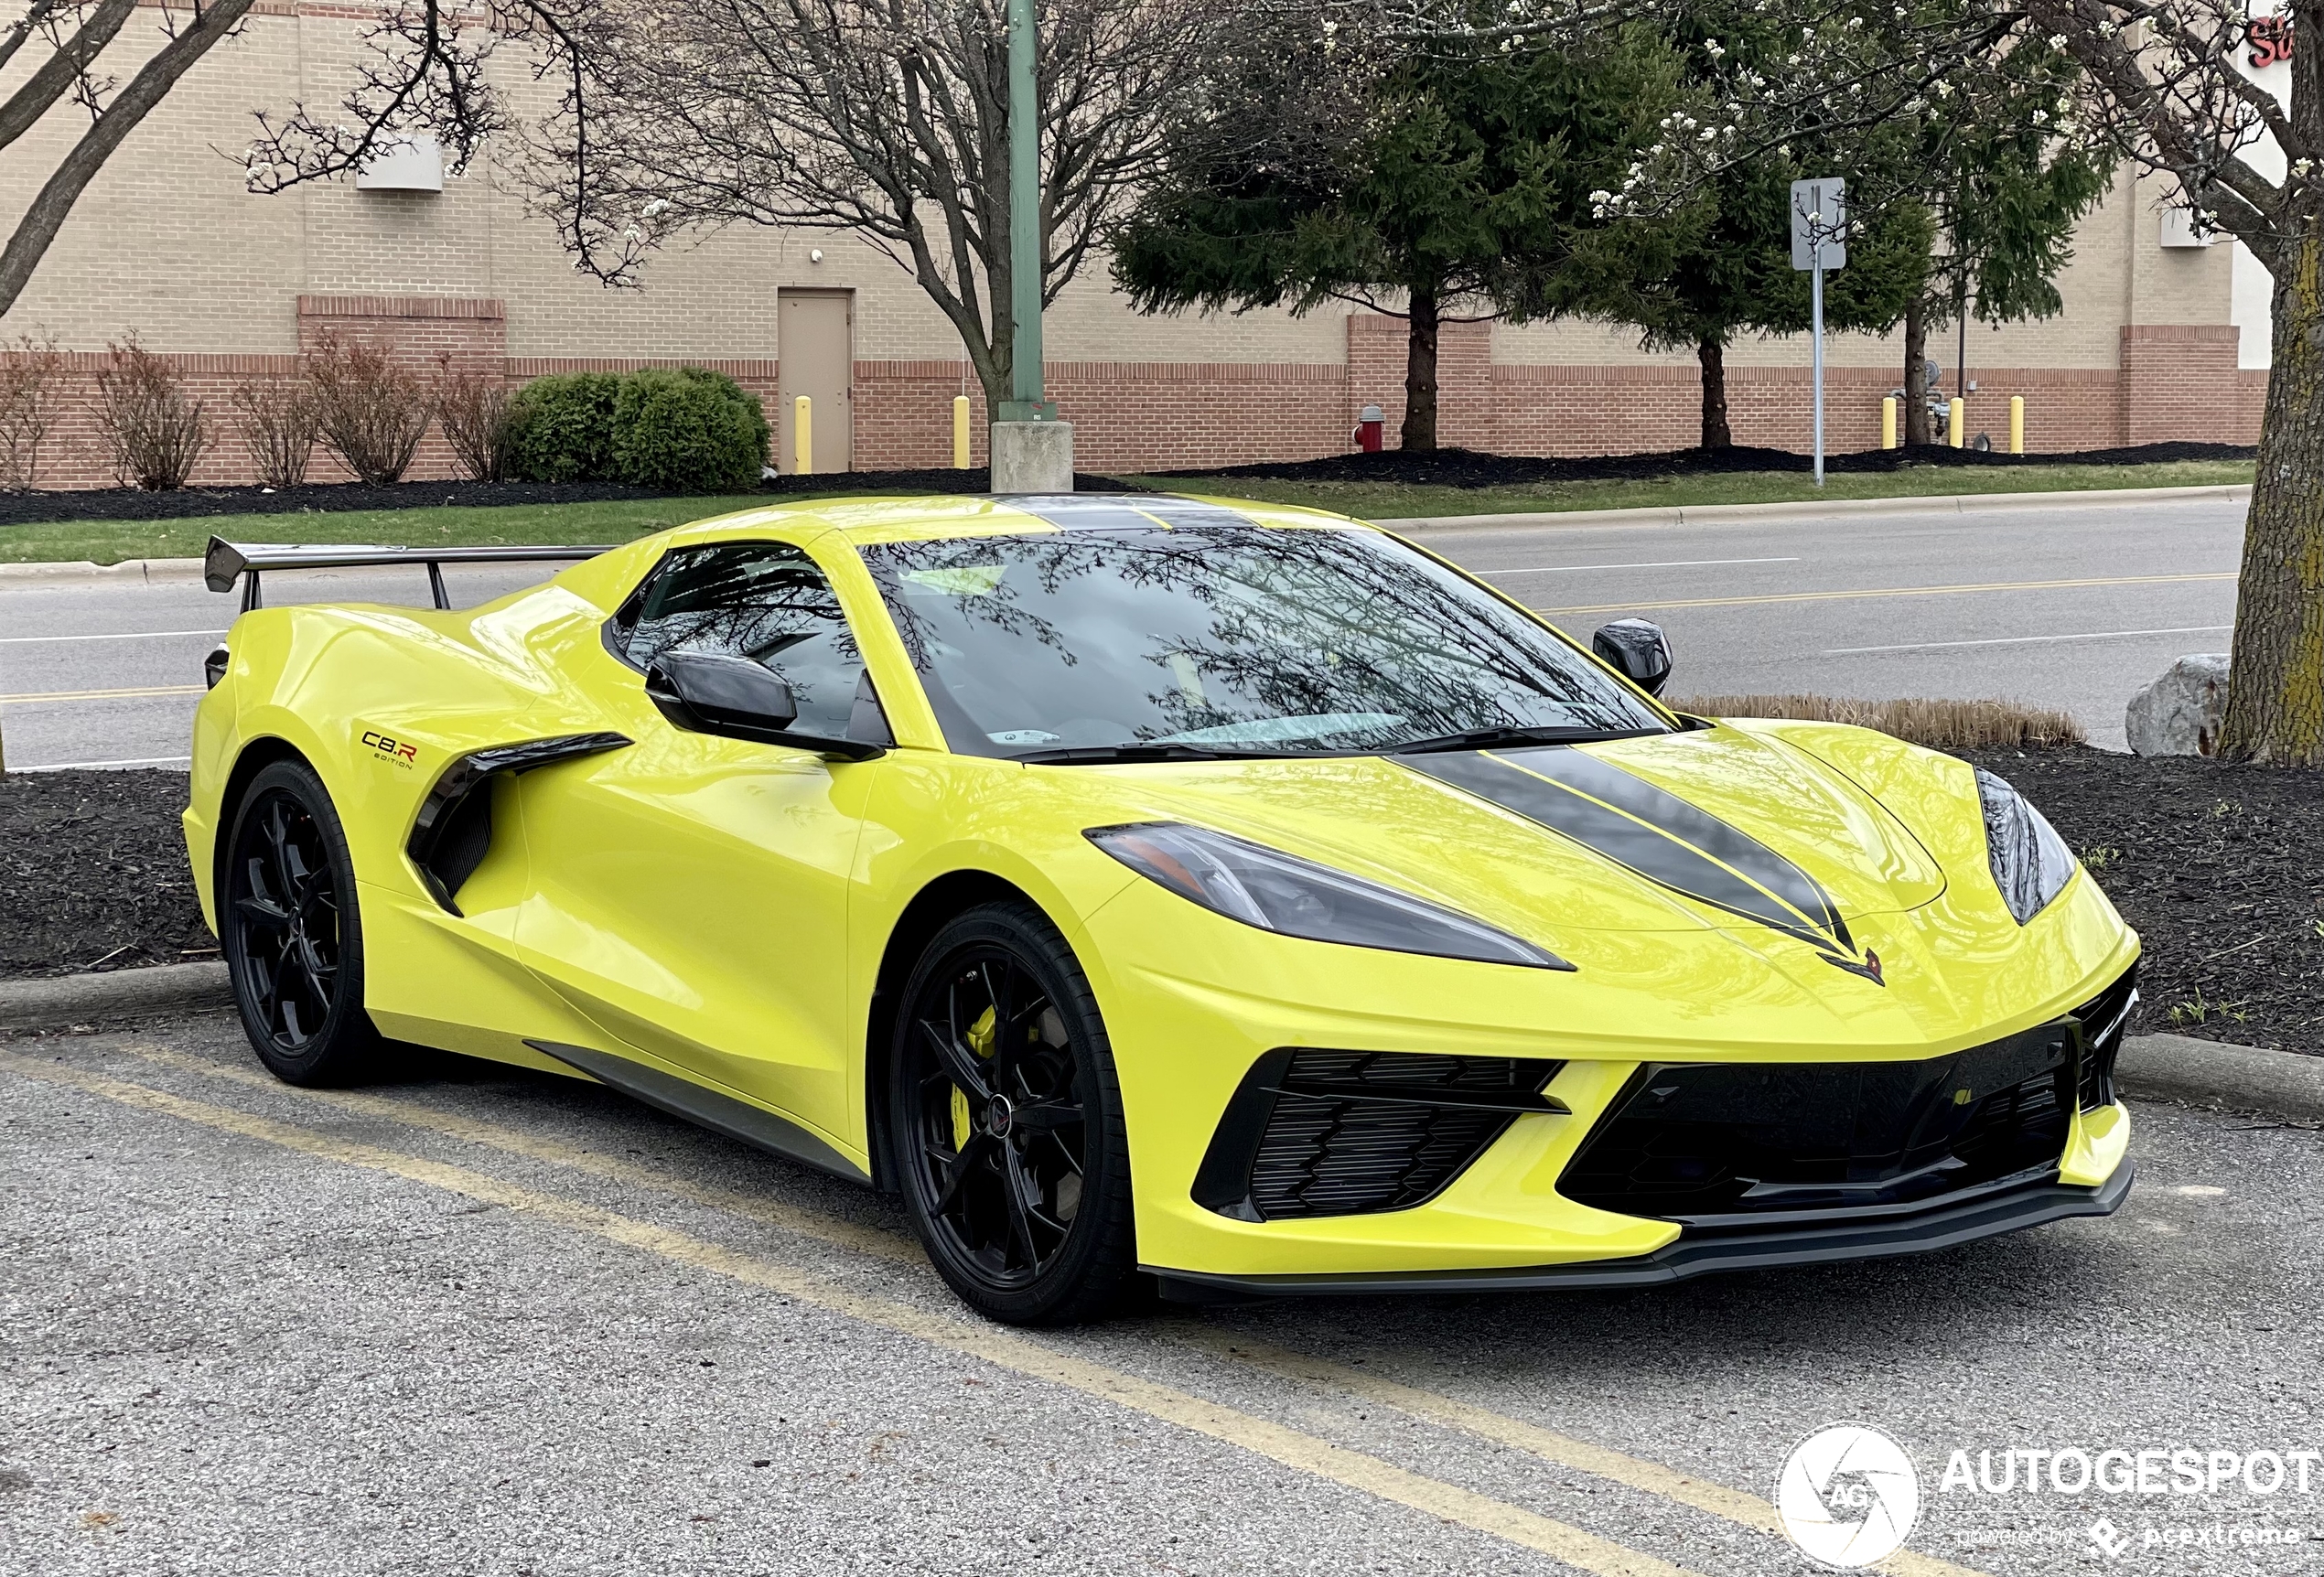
(1025, 1206)
(293, 938)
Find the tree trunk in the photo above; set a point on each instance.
(1711, 351)
(1915, 373)
(2275, 687)
(1420, 372)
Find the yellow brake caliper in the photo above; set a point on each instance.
(980, 1041)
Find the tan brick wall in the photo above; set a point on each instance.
(167, 244)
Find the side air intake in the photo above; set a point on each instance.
(1315, 1133)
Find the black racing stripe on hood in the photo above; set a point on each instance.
(1101, 511)
(1650, 832)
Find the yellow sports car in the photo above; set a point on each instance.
(1161, 891)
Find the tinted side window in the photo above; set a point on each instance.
(763, 601)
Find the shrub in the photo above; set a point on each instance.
(689, 431)
(155, 432)
(1939, 725)
(28, 377)
(277, 420)
(372, 411)
(480, 421)
(565, 428)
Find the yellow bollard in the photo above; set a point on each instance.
(802, 437)
(2016, 424)
(1888, 421)
(960, 431)
(1956, 414)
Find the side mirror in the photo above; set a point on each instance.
(707, 693)
(1636, 649)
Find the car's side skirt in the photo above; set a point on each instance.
(1859, 1239)
(706, 1107)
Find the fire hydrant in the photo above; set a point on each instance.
(1370, 429)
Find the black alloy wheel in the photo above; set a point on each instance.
(1005, 1124)
(291, 933)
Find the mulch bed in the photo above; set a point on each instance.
(93, 874)
(1467, 469)
(337, 498)
(1444, 468)
(2218, 867)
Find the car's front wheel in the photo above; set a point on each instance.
(1005, 1121)
(291, 933)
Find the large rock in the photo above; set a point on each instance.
(2179, 713)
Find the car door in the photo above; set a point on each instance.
(689, 892)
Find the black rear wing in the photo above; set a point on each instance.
(225, 563)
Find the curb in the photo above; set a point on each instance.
(1712, 514)
(2151, 1067)
(2181, 1067)
(148, 570)
(60, 1002)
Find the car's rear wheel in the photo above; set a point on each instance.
(291, 933)
(1005, 1121)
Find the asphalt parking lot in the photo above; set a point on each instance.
(2072, 607)
(480, 1321)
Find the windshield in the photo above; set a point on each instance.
(1225, 640)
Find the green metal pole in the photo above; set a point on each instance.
(1025, 221)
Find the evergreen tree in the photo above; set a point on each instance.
(1461, 190)
(1729, 269)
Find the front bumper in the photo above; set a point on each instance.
(1185, 1043)
(1943, 1224)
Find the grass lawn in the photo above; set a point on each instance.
(1391, 501)
(111, 542)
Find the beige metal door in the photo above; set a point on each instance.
(816, 343)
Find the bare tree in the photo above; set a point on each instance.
(73, 34)
(2162, 79)
(885, 118)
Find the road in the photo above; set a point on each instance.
(2073, 608)
(477, 1321)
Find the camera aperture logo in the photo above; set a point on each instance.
(1848, 1495)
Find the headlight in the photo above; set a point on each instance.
(2031, 864)
(1296, 898)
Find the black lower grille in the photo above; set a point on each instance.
(1708, 1140)
(1317, 1132)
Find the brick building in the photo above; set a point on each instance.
(2158, 340)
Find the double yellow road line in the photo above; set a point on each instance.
(959, 1333)
(1851, 593)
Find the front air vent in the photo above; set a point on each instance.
(2104, 1020)
(1320, 1133)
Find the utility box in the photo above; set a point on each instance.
(414, 165)
(2178, 228)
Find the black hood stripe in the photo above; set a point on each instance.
(1650, 832)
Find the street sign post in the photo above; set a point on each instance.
(1819, 241)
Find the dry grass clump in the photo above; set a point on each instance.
(1939, 725)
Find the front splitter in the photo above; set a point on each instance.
(1941, 1226)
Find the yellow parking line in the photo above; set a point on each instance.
(102, 695)
(1898, 591)
(1653, 1478)
(1320, 1458)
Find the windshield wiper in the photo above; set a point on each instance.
(1508, 737)
(1073, 755)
